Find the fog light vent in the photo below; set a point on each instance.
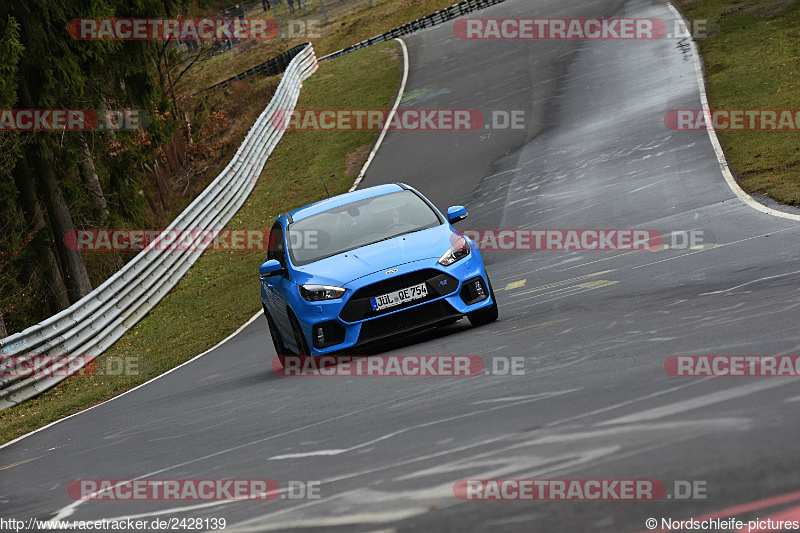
(320, 336)
(473, 291)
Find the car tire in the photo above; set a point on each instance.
(277, 341)
(487, 314)
(299, 337)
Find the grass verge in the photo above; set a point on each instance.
(217, 121)
(221, 291)
(753, 62)
(350, 24)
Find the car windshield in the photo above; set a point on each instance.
(358, 224)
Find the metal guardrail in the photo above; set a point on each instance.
(434, 19)
(274, 66)
(77, 335)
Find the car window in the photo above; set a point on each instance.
(359, 224)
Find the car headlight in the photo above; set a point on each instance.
(316, 293)
(457, 252)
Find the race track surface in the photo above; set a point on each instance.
(594, 327)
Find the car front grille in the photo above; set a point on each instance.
(359, 306)
(416, 317)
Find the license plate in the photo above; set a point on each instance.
(384, 301)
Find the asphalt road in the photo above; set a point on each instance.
(594, 328)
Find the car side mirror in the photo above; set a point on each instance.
(457, 213)
(270, 268)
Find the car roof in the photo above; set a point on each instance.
(344, 199)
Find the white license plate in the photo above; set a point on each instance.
(384, 301)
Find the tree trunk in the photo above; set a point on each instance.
(90, 179)
(76, 276)
(3, 332)
(57, 293)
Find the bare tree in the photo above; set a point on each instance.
(50, 270)
(76, 276)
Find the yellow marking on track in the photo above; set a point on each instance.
(569, 291)
(516, 285)
(564, 282)
(12, 465)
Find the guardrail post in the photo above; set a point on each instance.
(90, 326)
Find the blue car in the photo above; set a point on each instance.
(364, 266)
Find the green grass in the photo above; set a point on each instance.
(221, 291)
(346, 26)
(753, 62)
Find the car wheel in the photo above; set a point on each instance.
(277, 341)
(299, 337)
(487, 314)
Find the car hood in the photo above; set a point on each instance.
(344, 268)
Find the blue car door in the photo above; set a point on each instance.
(278, 284)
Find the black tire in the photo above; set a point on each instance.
(487, 314)
(277, 341)
(299, 337)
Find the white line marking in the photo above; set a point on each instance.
(528, 399)
(715, 247)
(318, 453)
(70, 509)
(389, 118)
(226, 339)
(623, 404)
(700, 401)
(712, 134)
(748, 283)
(509, 399)
(361, 176)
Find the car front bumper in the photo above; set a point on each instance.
(338, 325)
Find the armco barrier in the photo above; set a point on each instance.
(273, 67)
(434, 19)
(93, 324)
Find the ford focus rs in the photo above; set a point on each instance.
(368, 265)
